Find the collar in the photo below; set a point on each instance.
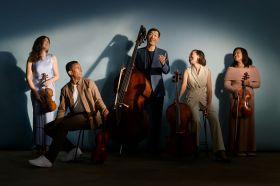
(78, 83)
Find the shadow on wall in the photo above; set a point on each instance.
(117, 53)
(16, 132)
(223, 96)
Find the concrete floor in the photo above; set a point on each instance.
(142, 170)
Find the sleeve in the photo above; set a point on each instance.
(227, 80)
(138, 61)
(166, 67)
(100, 105)
(62, 107)
(255, 80)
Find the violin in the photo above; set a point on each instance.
(241, 107)
(178, 115)
(47, 104)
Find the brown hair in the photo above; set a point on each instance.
(34, 55)
(201, 59)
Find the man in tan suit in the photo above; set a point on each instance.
(82, 98)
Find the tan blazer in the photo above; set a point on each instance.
(91, 100)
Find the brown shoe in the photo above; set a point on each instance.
(221, 156)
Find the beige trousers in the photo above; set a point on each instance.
(215, 128)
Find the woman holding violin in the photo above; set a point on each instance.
(240, 80)
(41, 73)
(197, 78)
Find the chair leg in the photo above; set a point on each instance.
(121, 149)
(205, 134)
(78, 142)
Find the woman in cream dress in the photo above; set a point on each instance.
(197, 82)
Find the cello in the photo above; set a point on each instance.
(128, 122)
(180, 141)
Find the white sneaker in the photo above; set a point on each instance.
(71, 154)
(41, 161)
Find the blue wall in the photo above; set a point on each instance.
(101, 35)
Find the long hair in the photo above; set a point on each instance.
(201, 55)
(246, 60)
(34, 55)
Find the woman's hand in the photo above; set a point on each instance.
(46, 83)
(235, 93)
(204, 109)
(247, 83)
(105, 114)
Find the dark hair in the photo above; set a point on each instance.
(34, 55)
(153, 29)
(201, 55)
(69, 65)
(246, 60)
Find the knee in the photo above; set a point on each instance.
(50, 128)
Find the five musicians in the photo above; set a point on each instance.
(87, 109)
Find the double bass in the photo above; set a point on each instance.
(180, 141)
(128, 122)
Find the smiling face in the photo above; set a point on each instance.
(153, 38)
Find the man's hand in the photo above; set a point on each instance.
(162, 59)
(105, 114)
